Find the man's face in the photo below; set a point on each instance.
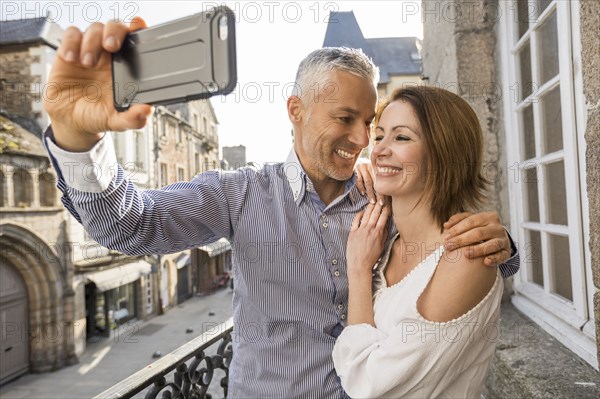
(334, 127)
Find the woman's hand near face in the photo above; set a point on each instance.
(367, 239)
(365, 244)
(365, 178)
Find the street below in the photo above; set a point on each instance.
(106, 361)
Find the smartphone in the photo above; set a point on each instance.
(187, 59)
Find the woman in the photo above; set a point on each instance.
(423, 322)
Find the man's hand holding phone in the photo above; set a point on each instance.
(79, 97)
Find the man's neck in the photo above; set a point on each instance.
(329, 189)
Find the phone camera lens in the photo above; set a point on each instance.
(223, 29)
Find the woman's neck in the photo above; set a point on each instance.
(416, 224)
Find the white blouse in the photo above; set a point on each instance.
(409, 356)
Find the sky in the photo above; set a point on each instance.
(272, 38)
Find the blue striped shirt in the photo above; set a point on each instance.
(289, 266)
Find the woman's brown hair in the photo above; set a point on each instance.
(454, 141)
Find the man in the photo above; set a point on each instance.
(288, 223)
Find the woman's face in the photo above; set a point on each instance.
(399, 155)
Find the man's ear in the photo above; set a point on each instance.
(295, 109)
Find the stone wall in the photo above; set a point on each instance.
(395, 82)
(590, 54)
(530, 363)
(459, 54)
(34, 239)
(439, 47)
(51, 328)
(17, 81)
(462, 55)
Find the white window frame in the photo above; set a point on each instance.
(571, 323)
(139, 138)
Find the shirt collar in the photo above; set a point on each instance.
(300, 182)
(295, 176)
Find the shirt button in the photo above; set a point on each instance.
(334, 262)
(325, 224)
(340, 306)
(343, 317)
(336, 273)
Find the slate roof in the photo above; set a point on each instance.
(30, 31)
(393, 55)
(14, 139)
(343, 31)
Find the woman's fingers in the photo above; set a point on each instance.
(360, 183)
(367, 213)
(383, 218)
(376, 213)
(364, 180)
(357, 219)
(368, 183)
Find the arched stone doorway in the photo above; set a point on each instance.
(50, 333)
(14, 345)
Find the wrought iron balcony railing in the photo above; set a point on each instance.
(185, 373)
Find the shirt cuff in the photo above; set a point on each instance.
(513, 247)
(89, 172)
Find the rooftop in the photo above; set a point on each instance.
(30, 31)
(393, 55)
(15, 139)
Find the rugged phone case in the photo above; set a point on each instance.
(182, 60)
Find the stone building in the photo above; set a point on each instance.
(186, 143)
(398, 58)
(530, 71)
(54, 278)
(102, 299)
(40, 330)
(235, 156)
(37, 301)
(26, 55)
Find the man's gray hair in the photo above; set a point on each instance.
(314, 70)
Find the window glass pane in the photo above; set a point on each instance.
(3, 193)
(525, 83)
(542, 5)
(548, 49)
(23, 188)
(556, 193)
(528, 132)
(561, 265)
(524, 13)
(530, 186)
(533, 257)
(551, 114)
(47, 193)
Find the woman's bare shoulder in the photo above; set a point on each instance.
(457, 286)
